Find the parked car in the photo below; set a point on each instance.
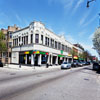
(80, 64)
(84, 62)
(65, 65)
(74, 64)
(96, 66)
(1, 64)
(87, 63)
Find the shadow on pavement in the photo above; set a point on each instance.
(87, 68)
(98, 72)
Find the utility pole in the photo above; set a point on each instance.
(88, 2)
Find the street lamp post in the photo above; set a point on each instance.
(88, 2)
(20, 45)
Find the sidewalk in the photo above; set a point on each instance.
(28, 68)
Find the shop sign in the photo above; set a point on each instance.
(37, 52)
(47, 53)
(69, 55)
(75, 57)
(31, 52)
(27, 52)
(60, 56)
(42, 53)
(81, 59)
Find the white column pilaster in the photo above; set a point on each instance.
(57, 60)
(48, 59)
(39, 60)
(33, 37)
(25, 59)
(64, 59)
(32, 59)
(51, 59)
(44, 40)
(39, 38)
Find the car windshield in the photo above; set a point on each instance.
(64, 62)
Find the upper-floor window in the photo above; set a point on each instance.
(48, 41)
(36, 38)
(55, 44)
(62, 47)
(10, 35)
(42, 39)
(23, 40)
(17, 41)
(26, 39)
(66, 48)
(51, 42)
(59, 44)
(31, 38)
(45, 40)
(10, 44)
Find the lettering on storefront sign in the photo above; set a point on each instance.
(61, 51)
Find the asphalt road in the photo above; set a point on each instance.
(72, 84)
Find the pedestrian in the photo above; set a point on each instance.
(47, 65)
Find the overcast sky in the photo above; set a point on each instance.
(67, 17)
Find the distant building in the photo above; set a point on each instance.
(5, 57)
(79, 48)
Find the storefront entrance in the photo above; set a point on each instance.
(36, 59)
(29, 59)
(21, 58)
(54, 60)
(44, 59)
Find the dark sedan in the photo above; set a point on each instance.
(1, 64)
(96, 66)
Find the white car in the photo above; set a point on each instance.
(65, 65)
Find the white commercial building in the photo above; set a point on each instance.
(36, 45)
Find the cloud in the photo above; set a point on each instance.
(89, 47)
(67, 4)
(18, 18)
(90, 21)
(91, 36)
(81, 33)
(84, 17)
(68, 37)
(77, 5)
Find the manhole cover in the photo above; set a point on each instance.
(86, 79)
(12, 73)
(39, 76)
